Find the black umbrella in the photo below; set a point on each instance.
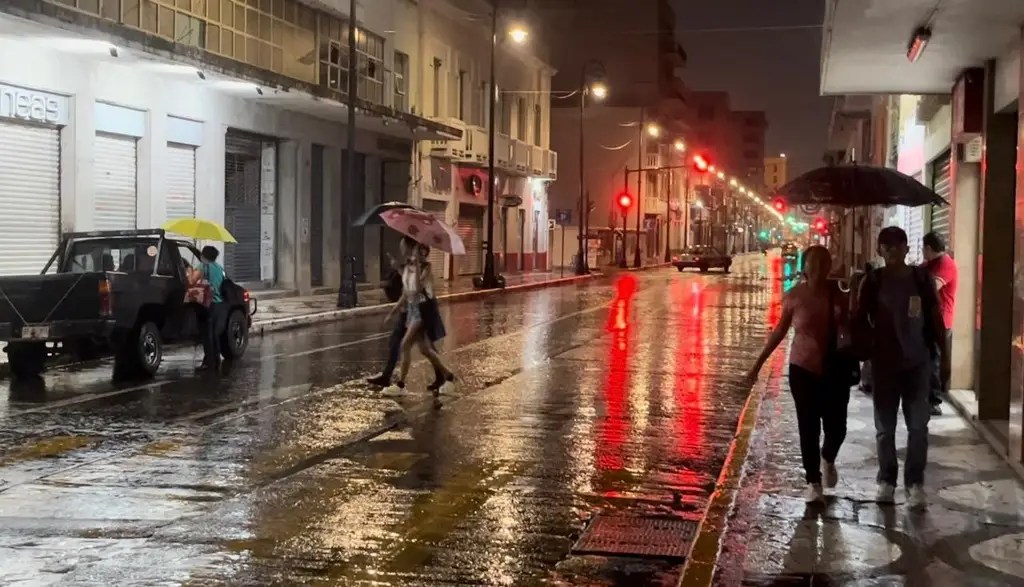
(858, 185)
(372, 216)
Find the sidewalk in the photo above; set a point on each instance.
(971, 534)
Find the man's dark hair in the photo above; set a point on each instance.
(892, 236)
(935, 242)
(210, 253)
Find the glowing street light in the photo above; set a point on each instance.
(680, 146)
(733, 182)
(654, 130)
(721, 175)
(518, 34)
(599, 91)
(783, 155)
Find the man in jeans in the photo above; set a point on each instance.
(216, 314)
(900, 304)
(944, 271)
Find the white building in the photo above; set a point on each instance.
(122, 120)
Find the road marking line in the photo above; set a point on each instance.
(699, 569)
(71, 401)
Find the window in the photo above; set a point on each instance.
(522, 115)
(503, 110)
(706, 113)
(460, 98)
(479, 99)
(536, 124)
(437, 87)
(370, 67)
(751, 137)
(401, 82)
(112, 255)
(440, 175)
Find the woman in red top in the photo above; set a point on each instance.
(821, 400)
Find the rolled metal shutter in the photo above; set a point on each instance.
(915, 234)
(437, 209)
(942, 185)
(116, 183)
(242, 206)
(181, 181)
(29, 197)
(470, 228)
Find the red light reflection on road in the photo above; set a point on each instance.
(690, 380)
(613, 428)
(775, 301)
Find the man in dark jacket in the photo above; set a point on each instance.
(393, 291)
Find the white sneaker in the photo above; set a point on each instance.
(886, 493)
(395, 389)
(814, 493)
(829, 474)
(917, 498)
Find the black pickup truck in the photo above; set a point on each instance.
(119, 292)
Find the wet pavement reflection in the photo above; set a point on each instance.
(613, 395)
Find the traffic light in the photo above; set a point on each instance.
(779, 204)
(764, 235)
(700, 163)
(625, 201)
(820, 225)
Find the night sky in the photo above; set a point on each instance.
(767, 59)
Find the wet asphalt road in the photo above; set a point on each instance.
(619, 394)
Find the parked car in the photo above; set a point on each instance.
(790, 251)
(703, 258)
(112, 292)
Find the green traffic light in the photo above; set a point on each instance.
(764, 234)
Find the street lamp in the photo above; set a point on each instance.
(599, 91)
(518, 34)
(654, 131)
(680, 146)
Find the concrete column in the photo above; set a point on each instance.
(152, 176)
(78, 162)
(371, 235)
(332, 216)
(995, 269)
(1016, 440)
(963, 245)
(210, 172)
(303, 208)
(288, 172)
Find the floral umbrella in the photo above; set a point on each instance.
(425, 229)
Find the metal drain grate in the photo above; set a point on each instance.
(639, 536)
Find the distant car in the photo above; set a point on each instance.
(703, 258)
(790, 251)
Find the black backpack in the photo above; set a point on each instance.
(863, 327)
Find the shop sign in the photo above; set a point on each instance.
(32, 105)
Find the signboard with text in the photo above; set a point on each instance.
(33, 105)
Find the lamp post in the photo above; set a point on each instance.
(680, 147)
(347, 288)
(599, 91)
(490, 278)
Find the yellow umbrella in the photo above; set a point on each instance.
(199, 229)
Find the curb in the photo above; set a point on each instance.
(699, 569)
(260, 328)
(279, 324)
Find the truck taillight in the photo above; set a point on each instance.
(245, 296)
(104, 295)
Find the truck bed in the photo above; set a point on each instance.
(33, 299)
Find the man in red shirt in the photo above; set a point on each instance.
(943, 269)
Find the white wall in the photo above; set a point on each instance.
(1007, 82)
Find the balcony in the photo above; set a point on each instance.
(521, 154)
(536, 161)
(502, 152)
(551, 165)
(451, 149)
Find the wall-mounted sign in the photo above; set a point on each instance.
(511, 201)
(33, 105)
(474, 185)
(563, 217)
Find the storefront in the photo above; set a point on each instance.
(249, 208)
(470, 227)
(30, 134)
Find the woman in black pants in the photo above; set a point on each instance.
(816, 310)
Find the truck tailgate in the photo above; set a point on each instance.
(32, 299)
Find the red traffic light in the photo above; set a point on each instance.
(700, 163)
(625, 200)
(779, 204)
(820, 225)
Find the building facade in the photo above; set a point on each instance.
(229, 112)
(956, 124)
(775, 173)
(749, 129)
(642, 71)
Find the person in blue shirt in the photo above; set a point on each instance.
(213, 273)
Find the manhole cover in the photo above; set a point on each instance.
(640, 536)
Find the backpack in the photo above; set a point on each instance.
(863, 324)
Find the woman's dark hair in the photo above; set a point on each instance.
(210, 253)
(935, 242)
(409, 242)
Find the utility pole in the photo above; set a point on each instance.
(347, 297)
(582, 267)
(490, 277)
(639, 186)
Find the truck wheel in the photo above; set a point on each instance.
(27, 359)
(235, 339)
(703, 268)
(726, 268)
(680, 268)
(141, 353)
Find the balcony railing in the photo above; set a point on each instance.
(536, 160)
(521, 157)
(552, 165)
